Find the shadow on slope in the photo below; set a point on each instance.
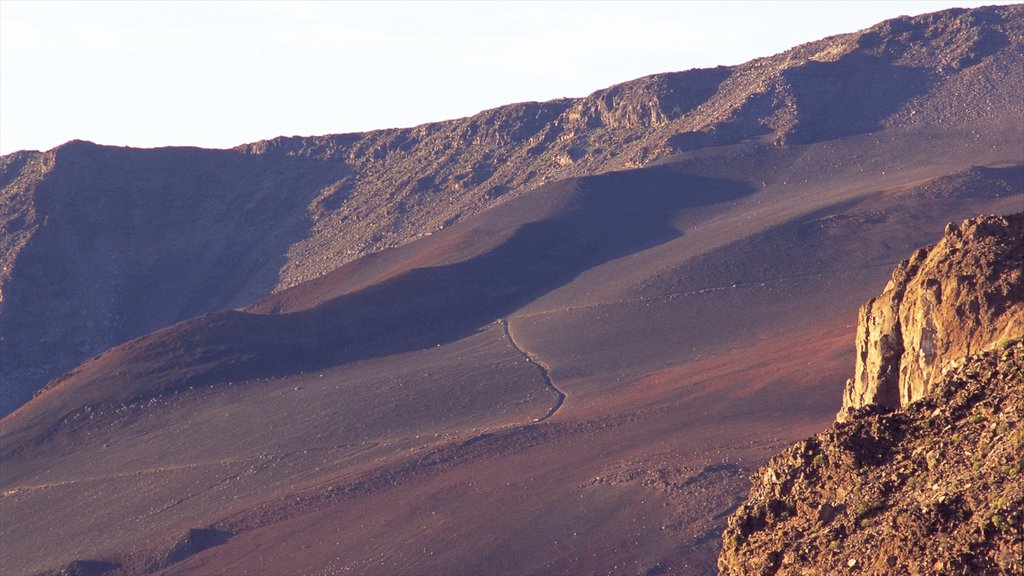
(600, 219)
(129, 241)
(867, 89)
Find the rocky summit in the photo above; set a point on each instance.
(923, 478)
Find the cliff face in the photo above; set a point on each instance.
(922, 473)
(941, 305)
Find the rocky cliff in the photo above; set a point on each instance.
(922, 473)
(941, 305)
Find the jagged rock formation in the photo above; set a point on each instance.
(309, 204)
(906, 336)
(931, 489)
(934, 486)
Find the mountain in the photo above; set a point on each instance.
(101, 245)
(574, 374)
(924, 477)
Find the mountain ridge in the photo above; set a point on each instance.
(345, 196)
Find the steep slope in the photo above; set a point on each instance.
(131, 240)
(926, 480)
(109, 244)
(543, 241)
(948, 70)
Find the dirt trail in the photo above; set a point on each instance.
(545, 371)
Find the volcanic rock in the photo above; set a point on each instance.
(959, 297)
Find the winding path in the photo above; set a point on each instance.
(544, 370)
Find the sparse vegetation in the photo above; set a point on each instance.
(866, 509)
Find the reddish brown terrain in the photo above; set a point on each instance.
(592, 321)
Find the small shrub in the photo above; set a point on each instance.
(1000, 523)
(1017, 438)
(868, 508)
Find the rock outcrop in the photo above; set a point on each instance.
(959, 297)
(931, 489)
(921, 475)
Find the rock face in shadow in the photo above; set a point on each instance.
(959, 297)
(921, 475)
(194, 540)
(86, 568)
(101, 245)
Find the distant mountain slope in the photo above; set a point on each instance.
(945, 70)
(518, 252)
(922, 473)
(102, 244)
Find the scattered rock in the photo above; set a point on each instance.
(193, 541)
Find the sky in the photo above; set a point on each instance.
(219, 74)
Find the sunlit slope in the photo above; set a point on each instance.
(99, 245)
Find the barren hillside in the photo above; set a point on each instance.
(101, 244)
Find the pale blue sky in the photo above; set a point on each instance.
(220, 74)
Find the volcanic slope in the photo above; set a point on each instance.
(99, 245)
(392, 416)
